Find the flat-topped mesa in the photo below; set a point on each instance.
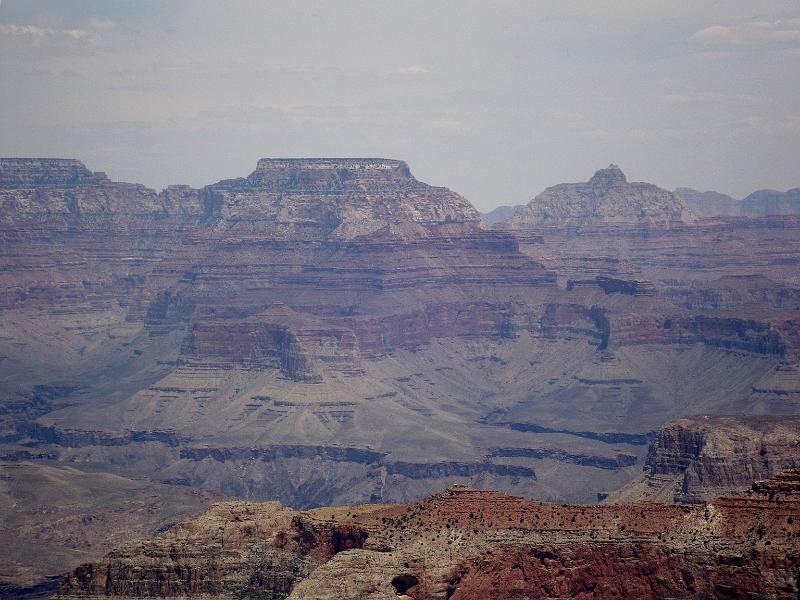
(606, 199)
(338, 197)
(27, 172)
(332, 175)
(54, 189)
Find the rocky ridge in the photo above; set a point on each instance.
(464, 543)
(709, 204)
(761, 203)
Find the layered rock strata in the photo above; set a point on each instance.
(329, 331)
(317, 300)
(53, 516)
(696, 459)
(465, 543)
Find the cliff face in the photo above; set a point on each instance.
(28, 172)
(715, 455)
(698, 458)
(59, 191)
(464, 543)
(336, 198)
(606, 199)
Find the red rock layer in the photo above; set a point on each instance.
(465, 543)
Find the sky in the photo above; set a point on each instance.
(495, 100)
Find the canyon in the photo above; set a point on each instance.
(334, 331)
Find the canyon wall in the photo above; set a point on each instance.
(331, 331)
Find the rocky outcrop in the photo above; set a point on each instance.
(234, 548)
(464, 543)
(30, 172)
(698, 458)
(64, 190)
(338, 198)
(606, 199)
(730, 333)
(561, 319)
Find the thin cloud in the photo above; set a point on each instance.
(752, 32)
(449, 124)
(410, 70)
(40, 32)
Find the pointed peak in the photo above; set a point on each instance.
(609, 176)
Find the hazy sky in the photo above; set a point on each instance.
(496, 100)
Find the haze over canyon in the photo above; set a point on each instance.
(419, 300)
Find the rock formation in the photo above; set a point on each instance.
(53, 516)
(696, 459)
(464, 543)
(606, 199)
